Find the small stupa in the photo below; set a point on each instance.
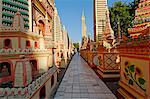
(108, 34)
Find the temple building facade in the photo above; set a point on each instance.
(16, 37)
(27, 38)
(61, 40)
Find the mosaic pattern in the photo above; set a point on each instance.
(110, 61)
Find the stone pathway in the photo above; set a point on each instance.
(81, 82)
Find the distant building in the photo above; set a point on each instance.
(61, 39)
(58, 35)
(100, 7)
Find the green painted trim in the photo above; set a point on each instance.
(25, 7)
(7, 21)
(7, 14)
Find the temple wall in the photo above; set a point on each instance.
(43, 64)
(35, 89)
(50, 59)
(135, 69)
(104, 62)
(14, 42)
(48, 87)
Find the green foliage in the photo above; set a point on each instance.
(141, 81)
(133, 75)
(76, 45)
(126, 70)
(132, 68)
(130, 82)
(124, 14)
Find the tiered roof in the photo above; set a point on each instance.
(142, 19)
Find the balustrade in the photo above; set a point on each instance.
(22, 51)
(104, 62)
(28, 91)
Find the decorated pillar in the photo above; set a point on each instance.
(18, 21)
(48, 37)
(23, 75)
(41, 41)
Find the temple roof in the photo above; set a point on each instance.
(142, 18)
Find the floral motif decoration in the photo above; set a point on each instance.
(134, 75)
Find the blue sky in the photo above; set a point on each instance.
(70, 12)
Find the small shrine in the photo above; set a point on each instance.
(108, 34)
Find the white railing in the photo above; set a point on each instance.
(28, 91)
(22, 51)
(10, 29)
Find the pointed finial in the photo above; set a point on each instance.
(83, 14)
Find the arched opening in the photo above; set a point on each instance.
(5, 69)
(5, 75)
(41, 22)
(57, 54)
(34, 67)
(28, 45)
(62, 55)
(52, 80)
(7, 43)
(35, 45)
(41, 27)
(42, 93)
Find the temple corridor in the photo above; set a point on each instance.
(81, 82)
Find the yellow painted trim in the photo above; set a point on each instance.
(131, 91)
(124, 94)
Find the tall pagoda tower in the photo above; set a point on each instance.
(83, 25)
(84, 37)
(141, 22)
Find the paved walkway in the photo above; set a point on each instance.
(81, 82)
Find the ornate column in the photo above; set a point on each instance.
(23, 75)
(18, 21)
